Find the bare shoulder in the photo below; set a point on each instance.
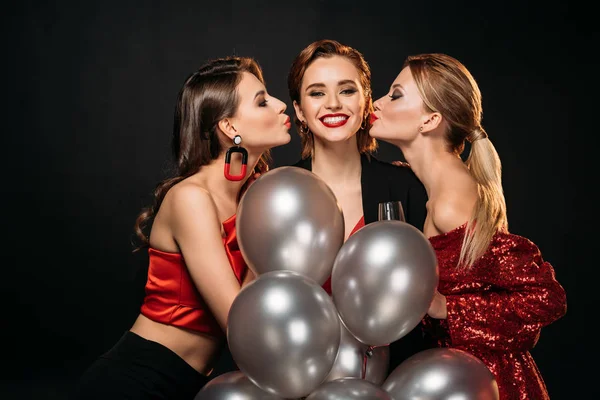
(188, 199)
(450, 209)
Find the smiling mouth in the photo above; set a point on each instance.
(334, 121)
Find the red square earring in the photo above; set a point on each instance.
(236, 148)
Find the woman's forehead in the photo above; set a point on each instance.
(330, 70)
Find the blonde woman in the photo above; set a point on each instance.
(495, 292)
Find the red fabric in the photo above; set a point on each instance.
(496, 309)
(359, 224)
(171, 296)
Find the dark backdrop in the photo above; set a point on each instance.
(88, 108)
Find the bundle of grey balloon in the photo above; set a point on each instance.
(289, 338)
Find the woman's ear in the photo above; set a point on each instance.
(432, 122)
(299, 113)
(226, 126)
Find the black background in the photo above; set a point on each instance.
(91, 88)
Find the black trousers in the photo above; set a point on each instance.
(139, 369)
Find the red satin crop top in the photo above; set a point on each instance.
(171, 296)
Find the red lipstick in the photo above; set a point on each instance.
(373, 118)
(288, 123)
(334, 120)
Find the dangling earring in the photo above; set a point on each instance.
(364, 124)
(236, 148)
(303, 128)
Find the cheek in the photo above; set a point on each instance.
(310, 110)
(273, 120)
(310, 107)
(257, 123)
(357, 105)
(391, 112)
(398, 113)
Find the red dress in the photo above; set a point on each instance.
(359, 224)
(497, 308)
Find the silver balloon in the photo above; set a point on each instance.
(383, 281)
(351, 358)
(233, 386)
(442, 373)
(284, 333)
(349, 389)
(289, 219)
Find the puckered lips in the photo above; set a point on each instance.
(373, 118)
(334, 120)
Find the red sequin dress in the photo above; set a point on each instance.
(496, 309)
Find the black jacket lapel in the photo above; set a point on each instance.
(375, 188)
(373, 182)
(306, 164)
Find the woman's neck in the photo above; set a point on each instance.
(337, 162)
(431, 162)
(221, 187)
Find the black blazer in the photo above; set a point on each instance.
(382, 181)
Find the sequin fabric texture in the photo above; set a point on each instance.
(497, 308)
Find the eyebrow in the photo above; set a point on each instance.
(259, 93)
(340, 83)
(397, 85)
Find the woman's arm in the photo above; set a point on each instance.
(526, 297)
(197, 231)
(525, 294)
(248, 278)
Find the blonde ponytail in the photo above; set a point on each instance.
(489, 215)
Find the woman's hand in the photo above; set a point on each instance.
(437, 309)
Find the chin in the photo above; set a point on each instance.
(283, 140)
(337, 136)
(287, 138)
(374, 134)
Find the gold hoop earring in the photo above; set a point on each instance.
(303, 128)
(364, 124)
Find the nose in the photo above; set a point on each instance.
(281, 106)
(376, 105)
(333, 103)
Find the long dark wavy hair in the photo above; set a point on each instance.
(207, 96)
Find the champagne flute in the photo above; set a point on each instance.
(391, 210)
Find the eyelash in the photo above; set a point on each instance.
(345, 91)
(395, 95)
(263, 103)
